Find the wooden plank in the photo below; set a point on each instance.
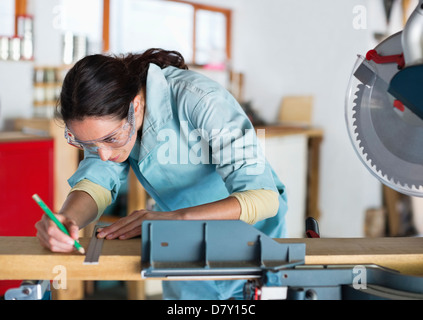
(24, 258)
(289, 129)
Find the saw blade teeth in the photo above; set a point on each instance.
(355, 136)
(358, 122)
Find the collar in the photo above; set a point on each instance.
(158, 110)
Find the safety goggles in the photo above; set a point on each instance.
(114, 140)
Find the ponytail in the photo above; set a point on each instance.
(101, 85)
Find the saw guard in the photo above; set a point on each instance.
(351, 100)
(379, 133)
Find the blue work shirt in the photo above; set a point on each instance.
(196, 146)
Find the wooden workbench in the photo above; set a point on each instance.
(24, 258)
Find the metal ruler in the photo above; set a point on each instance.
(94, 247)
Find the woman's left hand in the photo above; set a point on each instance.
(130, 226)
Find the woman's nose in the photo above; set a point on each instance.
(104, 154)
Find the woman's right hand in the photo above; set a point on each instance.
(51, 237)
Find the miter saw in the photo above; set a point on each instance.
(384, 108)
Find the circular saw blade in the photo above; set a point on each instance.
(388, 141)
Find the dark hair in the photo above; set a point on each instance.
(102, 85)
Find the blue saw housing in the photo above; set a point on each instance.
(407, 87)
(212, 248)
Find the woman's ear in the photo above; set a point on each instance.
(139, 104)
(139, 108)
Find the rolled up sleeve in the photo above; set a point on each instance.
(109, 175)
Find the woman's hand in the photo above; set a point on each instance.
(77, 211)
(130, 226)
(51, 237)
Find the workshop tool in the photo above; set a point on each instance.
(406, 84)
(384, 108)
(229, 249)
(51, 215)
(30, 290)
(194, 248)
(312, 228)
(94, 247)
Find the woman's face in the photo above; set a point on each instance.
(93, 128)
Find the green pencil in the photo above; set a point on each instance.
(50, 214)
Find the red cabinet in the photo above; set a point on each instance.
(26, 167)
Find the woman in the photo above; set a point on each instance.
(188, 141)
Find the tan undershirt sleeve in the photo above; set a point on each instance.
(257, 205)
(101, 196)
